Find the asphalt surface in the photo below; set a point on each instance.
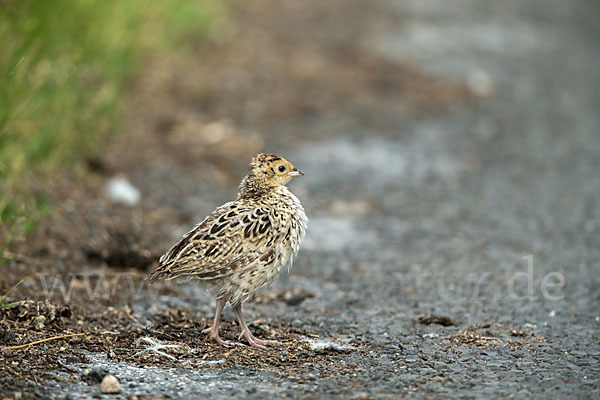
(484, 211)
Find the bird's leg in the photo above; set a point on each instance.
(213, 331)
(246, 332)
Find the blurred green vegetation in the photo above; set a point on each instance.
(65, 65)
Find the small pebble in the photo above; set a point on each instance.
(294, 299)
(110, 385)
(121, 191)
(95, 374)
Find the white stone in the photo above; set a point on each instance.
(110, 385)
(121, 191)
(325, 344)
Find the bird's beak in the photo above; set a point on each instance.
(295, 172)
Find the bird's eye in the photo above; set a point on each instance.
(281, 168)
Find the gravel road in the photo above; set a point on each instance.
(451, 152)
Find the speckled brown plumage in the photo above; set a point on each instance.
(243, 245)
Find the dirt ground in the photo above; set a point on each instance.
(451, 155)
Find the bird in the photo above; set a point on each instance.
(243, 245)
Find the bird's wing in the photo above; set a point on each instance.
(234, 237)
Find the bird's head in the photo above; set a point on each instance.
(268, 171)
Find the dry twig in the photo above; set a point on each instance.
(43, 340)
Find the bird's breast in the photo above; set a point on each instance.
(291, 228)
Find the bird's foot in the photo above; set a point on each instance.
(214, 335)
(256, 342)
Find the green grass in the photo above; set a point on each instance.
(11, 304)
(64, 68)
